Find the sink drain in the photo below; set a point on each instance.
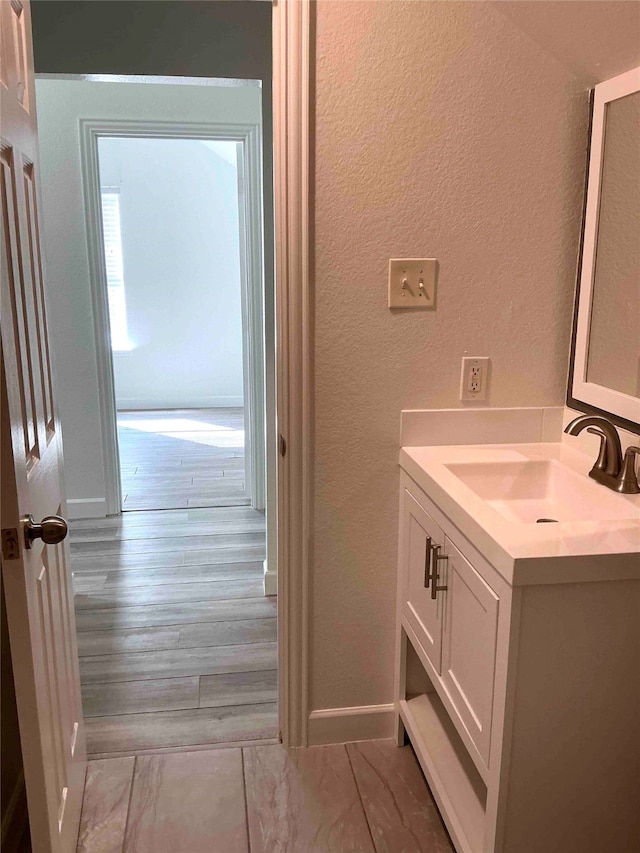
(546, 520)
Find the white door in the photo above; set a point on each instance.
(424, 611)
(37, 579)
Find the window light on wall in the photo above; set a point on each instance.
(112, 238)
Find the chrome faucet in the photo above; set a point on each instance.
(609, 469)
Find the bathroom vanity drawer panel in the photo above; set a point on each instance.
(420, 533)
(469, 647)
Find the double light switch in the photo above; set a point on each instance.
(412, 283)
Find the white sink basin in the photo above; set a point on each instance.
(541, 490)
(494, 494)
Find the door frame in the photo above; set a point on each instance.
(251, 284)
(292, 117)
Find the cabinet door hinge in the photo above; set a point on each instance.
(282, 445)
(10, 544)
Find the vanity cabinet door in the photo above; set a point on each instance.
(469, 647)
(420, 533)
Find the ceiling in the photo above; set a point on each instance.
(594, 39)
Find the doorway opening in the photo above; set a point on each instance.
(176, 634)
(178, 322)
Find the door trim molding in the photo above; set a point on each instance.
(292, 23)
(99, 303)
(252, 285)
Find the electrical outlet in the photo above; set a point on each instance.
(474, 378)
(412, 283)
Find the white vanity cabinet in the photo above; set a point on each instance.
(457, 631)
(522, 702)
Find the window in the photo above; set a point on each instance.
(115, 277)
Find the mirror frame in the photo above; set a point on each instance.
(622, 409)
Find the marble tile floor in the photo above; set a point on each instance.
(182, 458)
(176, 640)
(367, 797)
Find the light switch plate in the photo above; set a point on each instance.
(412, 283)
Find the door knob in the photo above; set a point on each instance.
(51, 530)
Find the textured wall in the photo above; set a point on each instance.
(596, 40)
(181, 37)
(441, 131)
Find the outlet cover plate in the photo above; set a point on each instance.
(474, 378)
(413, 271)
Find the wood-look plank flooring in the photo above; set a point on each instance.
(365, 797)
(182, 458)
(176, 640)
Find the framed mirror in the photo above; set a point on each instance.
(605, 364)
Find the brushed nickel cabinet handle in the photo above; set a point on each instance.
(427, 562)
(51, 530)
(435, 556)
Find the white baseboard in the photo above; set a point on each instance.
(86, 508)
(270, 581)
(342, 725)
(146, 404)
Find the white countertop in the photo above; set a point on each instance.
(530, 553)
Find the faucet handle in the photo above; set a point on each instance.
(601, 461)
(627, 480)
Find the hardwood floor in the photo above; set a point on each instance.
(177, 648)
(176, 639)
(182, 458)
(367, 797)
